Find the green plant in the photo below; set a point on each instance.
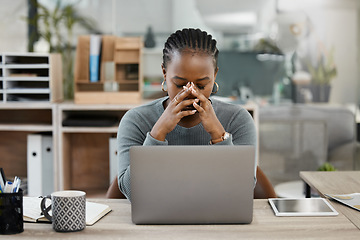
(325, 69)
(326, 167)
(56, 28)
(267, 46)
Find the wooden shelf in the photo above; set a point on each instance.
(17, 121)
(126, 54)
(107, 97)
(89, 129)
(26, 127)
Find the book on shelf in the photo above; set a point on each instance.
(32, 211)
(40, 164)
(94, 61)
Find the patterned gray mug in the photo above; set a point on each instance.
(68, 210)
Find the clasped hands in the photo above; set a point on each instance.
(188, 102)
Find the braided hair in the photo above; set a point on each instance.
(190, 39)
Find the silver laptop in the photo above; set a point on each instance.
(192, 184)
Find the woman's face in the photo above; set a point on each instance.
(190, 67)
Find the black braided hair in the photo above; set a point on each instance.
(190, 39)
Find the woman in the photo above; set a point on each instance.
(187, 116)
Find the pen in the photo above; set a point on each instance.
(2, 179)
(16, 185)
(8, 187)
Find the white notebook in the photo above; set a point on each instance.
(351, 200)
(32, 212)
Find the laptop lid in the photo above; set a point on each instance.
(192, 184)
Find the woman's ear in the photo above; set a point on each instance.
(215, 73)
(163, 71)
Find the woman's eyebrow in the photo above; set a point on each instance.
(180, 78)
(184, 79)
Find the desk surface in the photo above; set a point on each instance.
(117, 224)
(337, 182)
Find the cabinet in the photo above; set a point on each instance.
(126, 55)
(30, 77)
(81, 134)
(84, 145)
(16, 122)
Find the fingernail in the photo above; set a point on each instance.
(185, 88)
(193, 111)
(196, 100)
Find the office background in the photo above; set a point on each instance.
(336, 24)
(254, 71)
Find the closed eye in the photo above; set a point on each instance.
(179, 86)
(199, 86)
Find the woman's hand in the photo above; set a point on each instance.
(207, 114)
(173, 114)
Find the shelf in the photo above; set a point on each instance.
(34, 79)
(26, 127)
(70, 106)
(28, 91)
(128, 81)
(27, 77)
(25, 66)
(126, 54)
(108, 97)
(87, 82)
(26, 106)
(89, 129)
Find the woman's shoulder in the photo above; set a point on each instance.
(227, 107)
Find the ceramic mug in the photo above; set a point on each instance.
(68, 210)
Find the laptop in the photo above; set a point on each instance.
(192, 184)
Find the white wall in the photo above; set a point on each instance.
(338, 28)
(336, 25)
(13, 29)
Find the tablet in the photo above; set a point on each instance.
(302, 207)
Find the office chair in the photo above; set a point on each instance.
(263, 188)
(114, 191)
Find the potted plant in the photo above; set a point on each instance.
(322, 74)
(56, 29)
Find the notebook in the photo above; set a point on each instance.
(192, 184)
(351, 200)
(32, 211)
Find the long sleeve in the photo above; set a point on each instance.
(136, 124)
(133, 131)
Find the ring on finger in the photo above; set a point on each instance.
(176, 100)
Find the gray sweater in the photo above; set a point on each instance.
(136, 124)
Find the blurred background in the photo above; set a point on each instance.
(297, 60)
(265, 45)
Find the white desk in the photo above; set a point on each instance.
(117, 225)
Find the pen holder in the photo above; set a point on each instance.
(11, 213)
